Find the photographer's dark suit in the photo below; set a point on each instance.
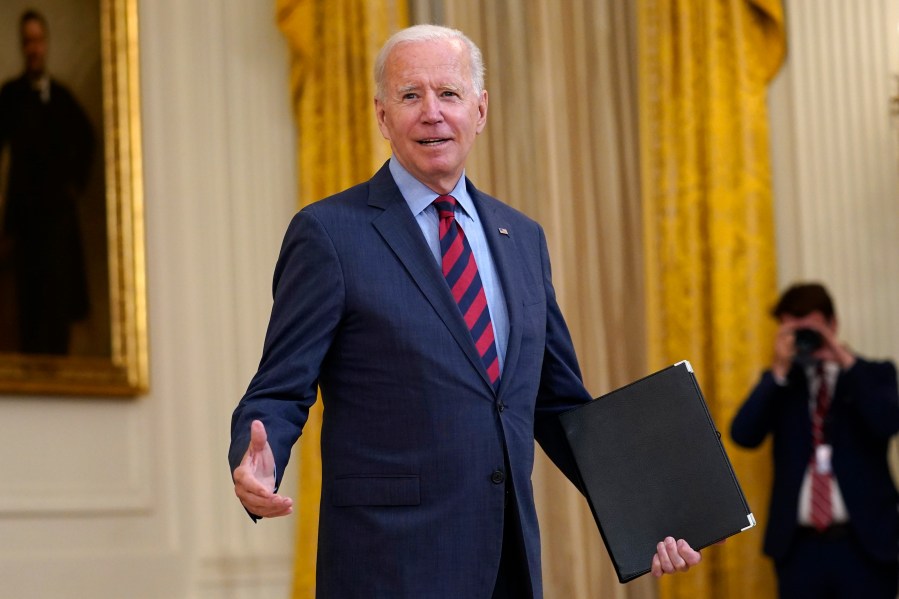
(864, 414)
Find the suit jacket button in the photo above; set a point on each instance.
(498, 477)
(500, 406)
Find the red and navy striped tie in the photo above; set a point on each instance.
(821, 509)
(461, 274)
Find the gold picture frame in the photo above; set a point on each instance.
(122, 369)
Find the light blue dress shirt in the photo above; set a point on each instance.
(419, 198)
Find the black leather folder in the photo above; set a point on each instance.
(652, 465)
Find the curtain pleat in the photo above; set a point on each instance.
(708, 231)
(333, 45)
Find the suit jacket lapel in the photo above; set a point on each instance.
(398, 228)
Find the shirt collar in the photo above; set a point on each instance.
(419, 196)
(831, 370)
(42, 86)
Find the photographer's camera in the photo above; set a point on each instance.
(807, 342)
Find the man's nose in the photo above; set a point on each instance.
(431, 110)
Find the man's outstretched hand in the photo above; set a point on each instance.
(673, 556)
(254, 479)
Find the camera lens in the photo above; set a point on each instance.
(807, 341)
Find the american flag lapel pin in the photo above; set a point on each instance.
(504, 231)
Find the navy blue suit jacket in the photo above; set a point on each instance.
(864, 414)
(413, 434)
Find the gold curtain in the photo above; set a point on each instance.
(708, 232)
(333, 44)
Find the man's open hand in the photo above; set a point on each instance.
(254, 479)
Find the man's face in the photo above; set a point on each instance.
(34, 47)
(430, 112)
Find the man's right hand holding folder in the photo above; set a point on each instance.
(673, 556)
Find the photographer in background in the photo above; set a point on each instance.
(833, 526)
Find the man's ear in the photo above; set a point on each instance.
(482, 111)
(381, 115)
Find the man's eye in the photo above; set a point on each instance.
(409, 96)
(449, 94)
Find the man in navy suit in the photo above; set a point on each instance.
(428, 435)
(841, 542)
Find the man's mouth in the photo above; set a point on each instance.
(433, 141)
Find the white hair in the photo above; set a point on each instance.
(426, 33)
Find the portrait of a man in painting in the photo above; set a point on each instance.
(71, 254)
(52, 188)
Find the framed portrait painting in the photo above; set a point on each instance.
(73, 318)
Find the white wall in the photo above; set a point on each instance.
(110, 498)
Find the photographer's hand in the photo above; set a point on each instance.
(832, 350)
(784, 351)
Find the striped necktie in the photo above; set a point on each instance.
(461, 272)
(821, 512)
